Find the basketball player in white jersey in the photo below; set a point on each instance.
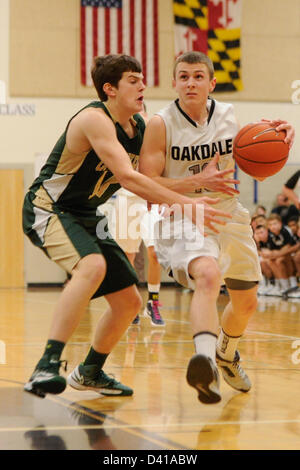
(182, 145)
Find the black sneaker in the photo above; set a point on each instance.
(136, 321)
(152, 311)
(46, 379)
(203, 375)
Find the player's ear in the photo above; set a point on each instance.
(173, 83)
(109, 89)
(212, 85)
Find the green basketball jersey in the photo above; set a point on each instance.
(80, 183)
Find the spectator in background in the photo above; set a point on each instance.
(263, 241)
(284, 208)
(291, 189)
(279, 256)
(293, 225)
(260, 210)
(257, 220)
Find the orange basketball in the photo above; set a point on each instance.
(259, 150)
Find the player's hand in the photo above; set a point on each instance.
(211, 215)
(281, 125)
(215, 180)
(200, 211)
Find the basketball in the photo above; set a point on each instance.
(259, 150)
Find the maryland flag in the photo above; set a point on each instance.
(212, 27)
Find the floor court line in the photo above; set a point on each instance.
(157, 426)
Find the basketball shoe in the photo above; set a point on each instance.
(136, 321)
(294, 295)
(152, 310)
(233, 373)
(275, 291)
(203, 375)
(93, 378)
(46, 379)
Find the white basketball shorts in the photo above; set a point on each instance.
(234, 247)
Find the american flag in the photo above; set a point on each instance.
(120, 27)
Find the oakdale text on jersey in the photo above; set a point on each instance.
(201, 152)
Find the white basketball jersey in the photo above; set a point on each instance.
(190, 146)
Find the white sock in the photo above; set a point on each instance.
(263, 282)
(153, 291)
(153, 287)
(293, 281)
(284, 284)
(277, 283)
(205, 343)
(227, 345)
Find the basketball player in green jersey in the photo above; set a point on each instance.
(180, 144)
(97, 153)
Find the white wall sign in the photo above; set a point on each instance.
(14, 109)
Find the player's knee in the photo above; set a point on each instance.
(92, 268)
(249, 305)
(133, 303)
(280, 261)
(137, 304)
(207, 275)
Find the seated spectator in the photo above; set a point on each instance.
(259, 219)
(282, 245)
(285, 209)
(260, 210)
(263, 241)
(293, 225)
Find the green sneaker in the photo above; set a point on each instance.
(93, 378)
(46, 379)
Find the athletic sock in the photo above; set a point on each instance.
(53, 349)
(284, 284)
(95, 358)
(293, 281)
(227, 345)
(153, 291)
(263, 282)
(205, 344)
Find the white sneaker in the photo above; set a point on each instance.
(294, 295)
(263, 290)
(274, 292)
(234, 374)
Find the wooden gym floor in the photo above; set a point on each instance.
(164, 412)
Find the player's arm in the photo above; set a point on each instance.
(153, 158)
(289, 193)
(285, 250)
(288, 189)
(99, 132)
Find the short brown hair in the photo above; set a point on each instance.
(260, 226)
(110, 68)
(274, 217)
(195, 57)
